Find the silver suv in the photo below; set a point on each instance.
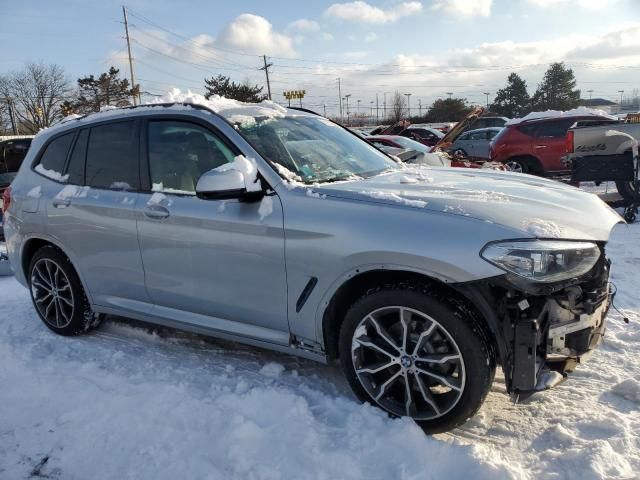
(278, 228)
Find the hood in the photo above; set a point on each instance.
(534, 206)
(457, 130)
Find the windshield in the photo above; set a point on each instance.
(314, 148)
(412, 144)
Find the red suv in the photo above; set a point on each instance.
(534, 146)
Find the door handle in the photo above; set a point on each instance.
(541, 146)
(156, 211)
(61, 203)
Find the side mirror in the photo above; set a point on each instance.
(224, 185)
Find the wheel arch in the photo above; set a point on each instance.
(531, 159)
(33, 244)
(357, 285)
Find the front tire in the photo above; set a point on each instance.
(412, 353)
(57, 294)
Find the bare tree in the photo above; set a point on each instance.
(37, 93)
(398, 107)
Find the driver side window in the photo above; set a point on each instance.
(180, 152)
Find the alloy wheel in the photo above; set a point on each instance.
(408, 363)
(515, 167)
(52, 293)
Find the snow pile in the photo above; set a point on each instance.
(576, 112)
(52, 174)
(35, 192)
(248, 168)
(232, 110)
(541, 228)
(378, 195)
(629, 389)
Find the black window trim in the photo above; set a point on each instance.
(145, 166)
(136, 127)
(67, 162)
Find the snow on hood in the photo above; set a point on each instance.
(576, 112)
(534, 206)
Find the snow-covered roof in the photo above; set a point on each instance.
(576, 112)
(233, 110)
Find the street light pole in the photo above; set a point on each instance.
(487, 94)
(347, 98)
(408, 95)
(449, 93)
(340, 99)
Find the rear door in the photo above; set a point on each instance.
(213, 263)
(93, 213)
(549, 143)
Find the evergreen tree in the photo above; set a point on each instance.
(448, 110)
(95, 93)
(512, 101)
(557, 91)
(224, 87)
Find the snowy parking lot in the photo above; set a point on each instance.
(128, 401)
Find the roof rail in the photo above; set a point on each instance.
(306, 110)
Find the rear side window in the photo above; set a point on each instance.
(557, 129)
(55, 154)
(112, 157)
(75, 170)
(528, 130)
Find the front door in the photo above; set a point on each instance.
(214, 263)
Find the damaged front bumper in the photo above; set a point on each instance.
(541, 331)
(555, 333)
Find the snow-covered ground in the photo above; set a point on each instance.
(127, 402)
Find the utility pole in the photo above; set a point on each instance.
(408, 95)
(590, 92)
(371, 109)
(340, 100)
(266, 72)
(126, 31)
(621, 92)
(358, 107)
(324, 107)
(420, 107)
(384, 105)
(487, 94)
(377, 109)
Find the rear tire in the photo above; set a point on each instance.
(439, 364)
(627, 191)
(57, 294)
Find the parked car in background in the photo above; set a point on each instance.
(475, 143)
(425, 135)
(413, 152)
(487, 121)
(536, 144)
(291, 233)
(602, 151)
(13, 150)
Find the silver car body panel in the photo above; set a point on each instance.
(221, 268)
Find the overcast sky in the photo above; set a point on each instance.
(426, 48)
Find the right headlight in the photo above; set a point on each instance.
(543, 260)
